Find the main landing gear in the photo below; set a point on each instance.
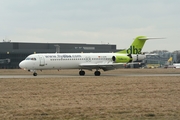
(96, 73)
(81, 73)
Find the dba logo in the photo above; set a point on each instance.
(134, 50)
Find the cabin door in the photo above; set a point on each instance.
(42, 60)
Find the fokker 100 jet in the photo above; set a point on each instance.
(85, 61)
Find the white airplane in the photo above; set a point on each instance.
(88, 61)
(176, 65)
(170, 64)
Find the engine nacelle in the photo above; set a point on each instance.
(138, 57)
(121, 59)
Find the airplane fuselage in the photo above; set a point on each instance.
(89, 61)
(68, 61)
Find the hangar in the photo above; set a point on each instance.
(11, 53)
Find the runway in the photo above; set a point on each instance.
(65, 75)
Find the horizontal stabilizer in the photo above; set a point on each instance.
(148, 38)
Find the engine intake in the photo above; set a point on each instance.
(128, 58)
(121, 59)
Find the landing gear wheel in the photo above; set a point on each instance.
(97, 73)
(35, 74)
(81, 73)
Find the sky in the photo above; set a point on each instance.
(92, 22)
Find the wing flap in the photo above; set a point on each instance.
(104, 66)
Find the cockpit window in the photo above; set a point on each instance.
(30, 58)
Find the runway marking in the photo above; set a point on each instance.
(110, 75)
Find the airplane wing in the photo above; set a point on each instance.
(104, 66)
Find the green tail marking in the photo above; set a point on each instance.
(136, 46)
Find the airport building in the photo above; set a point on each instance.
(11, 53)
(160, 58)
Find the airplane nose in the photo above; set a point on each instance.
(21, 64)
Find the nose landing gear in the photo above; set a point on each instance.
(35, 74)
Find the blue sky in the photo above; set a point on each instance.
(92, 22)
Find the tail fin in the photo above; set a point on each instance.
(170, 59)
(137, 45)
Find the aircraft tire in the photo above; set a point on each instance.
(35, 74)
(97, 73)
(81, 73)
